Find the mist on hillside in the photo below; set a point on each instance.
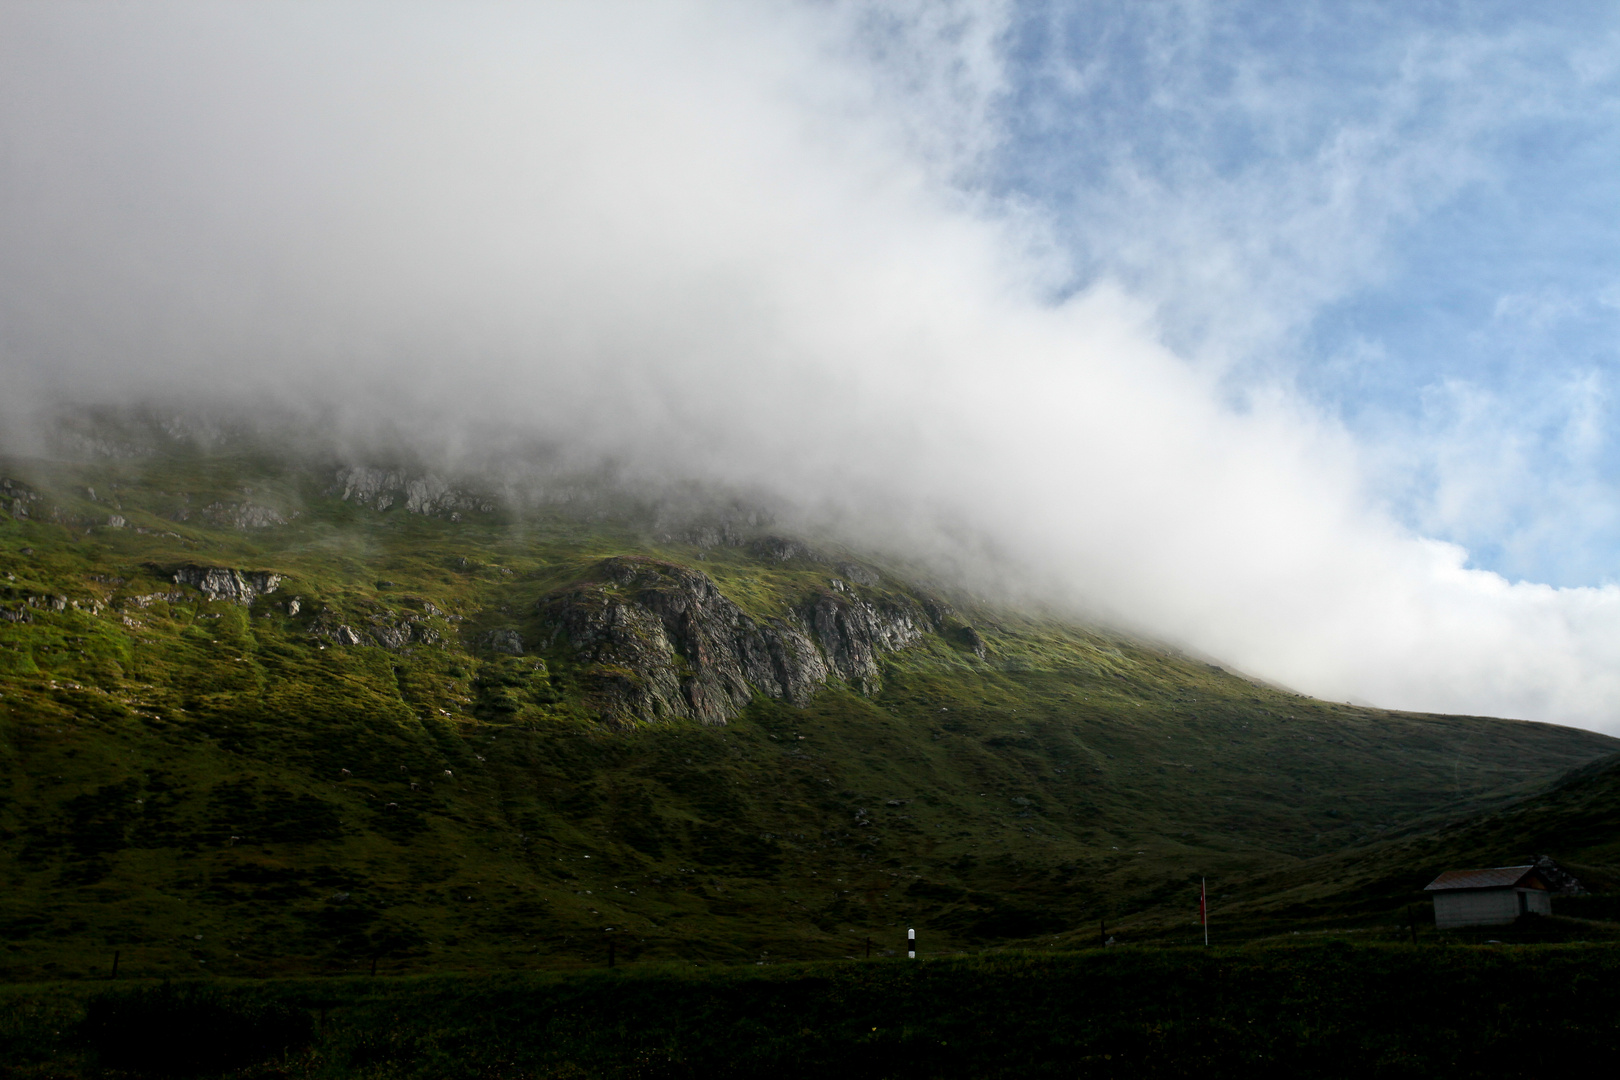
(708, 244)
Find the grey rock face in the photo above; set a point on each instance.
(664, 643)
(970, 639)
(222, 583)
(385, 629)
(781, 549)
(853, 633)
(862, 575)
(243, 515)
(509, 642)
(18, 496)
(148, 599)
(382, 489)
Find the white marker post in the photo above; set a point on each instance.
(911, 944)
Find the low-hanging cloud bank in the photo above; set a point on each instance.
(707, 242)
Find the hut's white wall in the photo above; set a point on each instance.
(1487, 907)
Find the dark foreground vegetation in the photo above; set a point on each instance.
(1326, 1009)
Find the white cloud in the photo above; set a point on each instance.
(1536, 310)
(708, 241)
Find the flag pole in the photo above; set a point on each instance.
(1203, 907)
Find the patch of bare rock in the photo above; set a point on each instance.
(662, 642)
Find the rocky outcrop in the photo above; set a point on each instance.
(970, 639)
(509, 642)
(854, 632)
(244, 515)
(382, 628)
(223, 583)
(18, 497)
(383, 489)
(21, 614)
(146, 600)
(691, 519)
(782, 549)
(1559, 880)
(663, 643)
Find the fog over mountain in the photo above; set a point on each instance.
(722, 243)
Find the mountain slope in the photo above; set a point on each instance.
(1576, 823)
(260, 716)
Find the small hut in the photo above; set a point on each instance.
(1488, 897)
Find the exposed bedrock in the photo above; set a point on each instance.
(224, 583)
(419, 493)
(663, 643)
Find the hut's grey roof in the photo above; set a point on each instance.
(1499, 877)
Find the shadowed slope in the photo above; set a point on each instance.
(1576, 823)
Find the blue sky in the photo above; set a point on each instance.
(1408, 212)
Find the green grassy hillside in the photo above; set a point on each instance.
(406, 750)
(1576, 823)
